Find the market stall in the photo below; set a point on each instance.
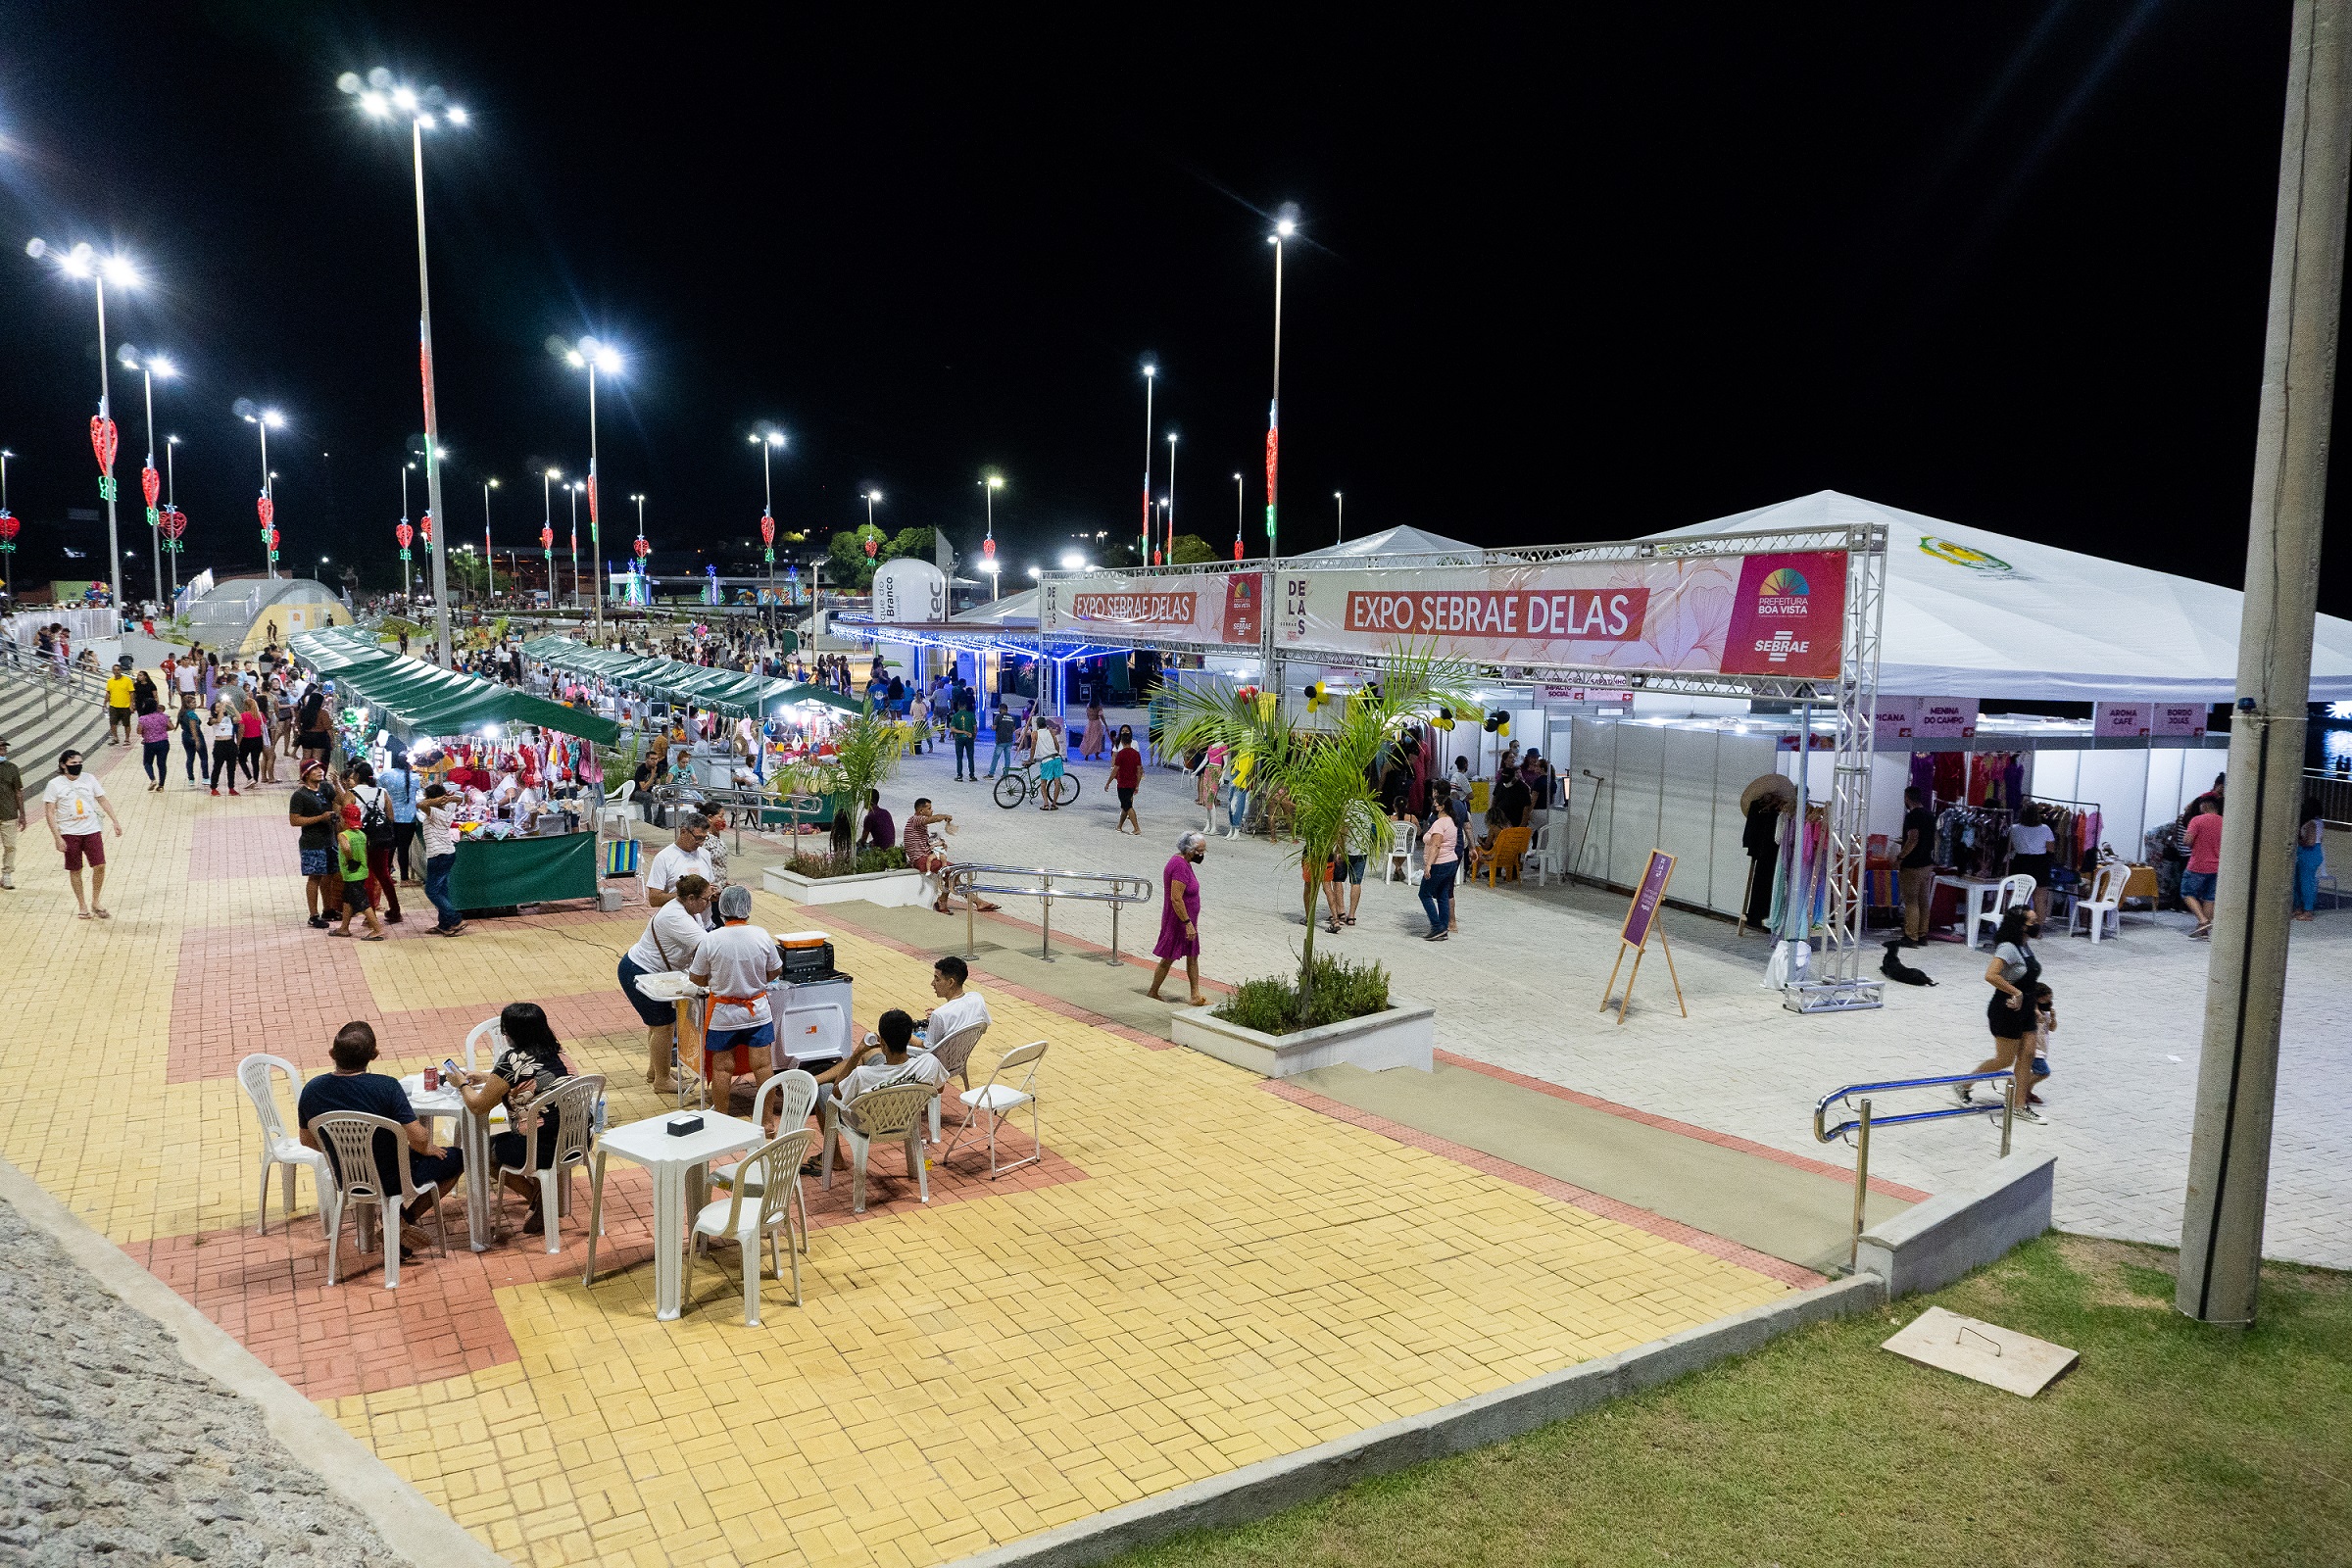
(526, 769)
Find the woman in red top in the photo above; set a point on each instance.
(1127, 774)
(2202, 838)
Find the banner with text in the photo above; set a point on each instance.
(1764, 614)
(1222, 607)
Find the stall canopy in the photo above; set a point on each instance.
(1392, 542)
(729, 689)
(338, 648)
(1975, 614)
(421, 699)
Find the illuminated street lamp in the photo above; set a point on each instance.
(1341, 501)
(988, 547)
(489, 558)
(8, 531)
(573, 490)
(1143, 551)
(78, 263)
(264, 420)
(1238, 503)
(1285, 226)
(766, 441)
(149, 368)
(379, 97)
(1167, 531)
(596, 359)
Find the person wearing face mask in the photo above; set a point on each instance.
(1180, 917)
(667, 946)
(2014, 1012)
(12, 816)
(73, 804)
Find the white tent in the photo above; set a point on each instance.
(1976, 613)
(1017, 609)
(1391, 542)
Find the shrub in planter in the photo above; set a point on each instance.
(1338, 990)
(866, 862)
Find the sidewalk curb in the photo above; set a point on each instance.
(1272, 1485)
(421, 1532)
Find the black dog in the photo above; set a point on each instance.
(1896, 969)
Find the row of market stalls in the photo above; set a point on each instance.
(677, 683)
(1847, 647)
(525, 768)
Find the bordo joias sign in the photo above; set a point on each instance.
(1782, 614)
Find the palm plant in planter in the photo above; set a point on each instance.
(867, 751)
(1323, 761)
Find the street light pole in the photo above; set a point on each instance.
(432, 412)
(1283, 230)
(1144, 553)
(489, 559)
(81, 261)
(1341, 502)
(1238, 503)
(573, 490)
(170, 499)
(2219, 1269)
(591, 356)
(407, 588)
(262, 419)
(988, 554)
(8, 558)
(149, 366)
(1167, 531)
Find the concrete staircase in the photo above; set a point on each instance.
(40, 715)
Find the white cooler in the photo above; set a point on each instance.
(813, 1019)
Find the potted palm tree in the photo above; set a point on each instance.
(1324, 761)
(867, 751)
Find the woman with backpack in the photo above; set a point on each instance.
(2016, 1011)
(375, 820)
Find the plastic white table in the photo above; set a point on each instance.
(681, 1168)
(474, 1137)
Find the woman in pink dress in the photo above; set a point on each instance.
(1096, 736)
(1180, 917)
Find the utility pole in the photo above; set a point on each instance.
(2237, 1073)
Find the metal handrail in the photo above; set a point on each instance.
(51, 676)
(1862, 1122)
(794, 807)
(1123, 890)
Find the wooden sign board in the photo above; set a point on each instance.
(2006, 1360)
(1641, 919)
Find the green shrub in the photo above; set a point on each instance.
(1341, 991)
(862, 863)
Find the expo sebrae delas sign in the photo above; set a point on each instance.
(1764, 614)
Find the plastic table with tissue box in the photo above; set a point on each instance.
(682, 1165)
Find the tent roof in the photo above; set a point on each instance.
(1390, 542)
(2022, 620)
(423, 698)
(1020, 606)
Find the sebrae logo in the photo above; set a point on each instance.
(1960, 555)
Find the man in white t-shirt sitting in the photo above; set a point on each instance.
(684, 856)
(735, 964)
(858, 1073)
(959, 1005)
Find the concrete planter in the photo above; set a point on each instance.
(890, 890)
(1405, 1035)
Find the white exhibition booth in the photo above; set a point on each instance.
(1971, 617)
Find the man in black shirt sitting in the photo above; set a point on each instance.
(352, 1086)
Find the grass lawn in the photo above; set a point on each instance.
(2168, 1444)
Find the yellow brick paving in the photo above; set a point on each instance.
(1233, 1278)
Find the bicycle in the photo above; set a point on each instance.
(1022, 785)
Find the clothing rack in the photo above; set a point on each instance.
(2077, 824)
(1973, 839)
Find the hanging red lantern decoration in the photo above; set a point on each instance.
(151, 485)
(642, 548)
(592, 501)
(174, 522)
(267, 507)
(873, 542)
(988, 549)
(767, 529)
(102, 442)
(403, 534)
(547, 539)
(274, 541)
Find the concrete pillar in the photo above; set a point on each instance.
(2230, 1156)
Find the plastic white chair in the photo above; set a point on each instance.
(573, 1107)
(790, 1095)
(350, 1138)
(955, 1053)
(2017, 889)
(1545, 853)
(892, 1114)
(487, 1031)
(281, 1148)
(2105, 904)
(998, 1097)
(1398, 864)
(769, 1172)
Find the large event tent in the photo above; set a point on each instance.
(1971, 612)
(420, 699)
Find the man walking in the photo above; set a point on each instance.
(119, 692)
(964, 726)
(73, 804)
(1000, 728)
(313, 810)
(12, 816)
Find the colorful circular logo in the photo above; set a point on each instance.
(1960, 555)
(1785, 580)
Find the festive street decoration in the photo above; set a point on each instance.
(402, 533)
(9, 528)
(268, 508)
(151, 485)
(642, 548)
(424, 525)
(547, 539)
(102, 442)
(173, 524)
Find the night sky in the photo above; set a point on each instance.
(2005, 266)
